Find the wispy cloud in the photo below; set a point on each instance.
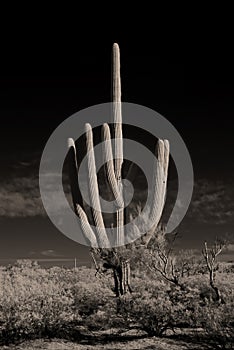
(21, 197)
(50, 253)
(230, 247)
(213, 201)
(47, 253)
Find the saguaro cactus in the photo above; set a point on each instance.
(115, 258)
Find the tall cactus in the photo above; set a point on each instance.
(118, 154)
(115, 258)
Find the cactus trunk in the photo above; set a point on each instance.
(117, 119)
(122, 275)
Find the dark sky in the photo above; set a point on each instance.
(192, 86)
(188, 80)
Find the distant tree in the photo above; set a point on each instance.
(210, 255)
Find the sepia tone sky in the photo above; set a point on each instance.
(189, 83)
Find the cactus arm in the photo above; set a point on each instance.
(73, 175)
(94, 190)
(165, 168)
(159, 181)
(158, 188)
(85, 226)
(108, 160)
(166, 157)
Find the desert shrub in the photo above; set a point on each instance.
(155, 308)
(217, 321)
(106, 317)
(95, 303)
(36, 302)
(89, 297)
(32, 304)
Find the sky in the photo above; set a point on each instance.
(188, 82)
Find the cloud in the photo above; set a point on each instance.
(230, 247)
(20, 197)
(212, 202)
(51, 253)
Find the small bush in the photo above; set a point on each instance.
(155, 308)
(89, 298)
(218, 324)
